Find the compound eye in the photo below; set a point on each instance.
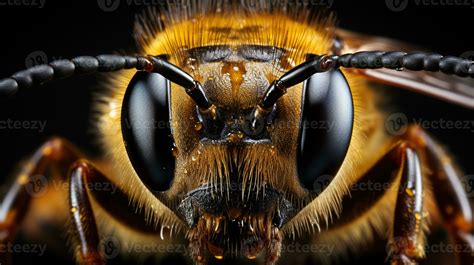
(325, 129)
(146, 130)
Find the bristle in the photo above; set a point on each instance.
(258, 166)
(296, 28)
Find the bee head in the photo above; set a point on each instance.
(235, 171)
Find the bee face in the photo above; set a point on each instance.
(230, 171)
(232, 177)
(235, 182)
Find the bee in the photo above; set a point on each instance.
(239, 130)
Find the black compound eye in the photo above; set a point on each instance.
(146, 129)
(326, 128)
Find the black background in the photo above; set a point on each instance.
(72, 28)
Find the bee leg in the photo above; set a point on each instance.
(407, 238)
(274, 247)
(29, 182)
(197, 248)
(85, 236)
(450, 197)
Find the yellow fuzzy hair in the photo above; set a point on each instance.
(295, 29)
